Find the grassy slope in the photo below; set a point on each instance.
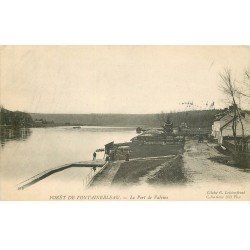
(130, 172)
(141, 151)
(171, 173)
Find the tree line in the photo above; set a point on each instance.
(196, 119)
(193, 119)
(15, 119)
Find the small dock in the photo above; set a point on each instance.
(46, 173)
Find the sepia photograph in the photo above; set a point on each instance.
(125, 123)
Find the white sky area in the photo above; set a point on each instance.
(116, 79)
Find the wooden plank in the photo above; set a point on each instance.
(46, 173)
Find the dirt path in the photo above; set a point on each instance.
(199, 169)
(196, 167)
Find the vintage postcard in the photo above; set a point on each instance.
(161, 123)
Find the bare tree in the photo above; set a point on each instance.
(230, 89)
(246, 82)
(247, 73)
(244, 88)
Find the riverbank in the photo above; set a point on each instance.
(151, 171)
(192, 164)
(170, 169)
(137, 172)
(189, 175)
(148, 164)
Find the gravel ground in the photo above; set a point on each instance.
(200, 167)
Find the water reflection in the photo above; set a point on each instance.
(10, 134)
(24, 156)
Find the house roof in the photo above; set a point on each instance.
(220, 116)
(227, 123)
(229, 111)
(231, 120)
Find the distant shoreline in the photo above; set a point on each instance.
(6, 127)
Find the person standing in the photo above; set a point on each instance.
(107, 158)
(94, 156)
(127, 157)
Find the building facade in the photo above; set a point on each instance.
(222, 126)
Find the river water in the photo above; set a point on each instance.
(27, 152)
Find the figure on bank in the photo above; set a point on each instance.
(94, 156)
(107, 158)
(127, 157)
(200, 139)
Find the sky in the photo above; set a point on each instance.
(116, 79)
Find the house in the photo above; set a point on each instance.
(222, 126)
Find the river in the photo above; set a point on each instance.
(27, 152)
